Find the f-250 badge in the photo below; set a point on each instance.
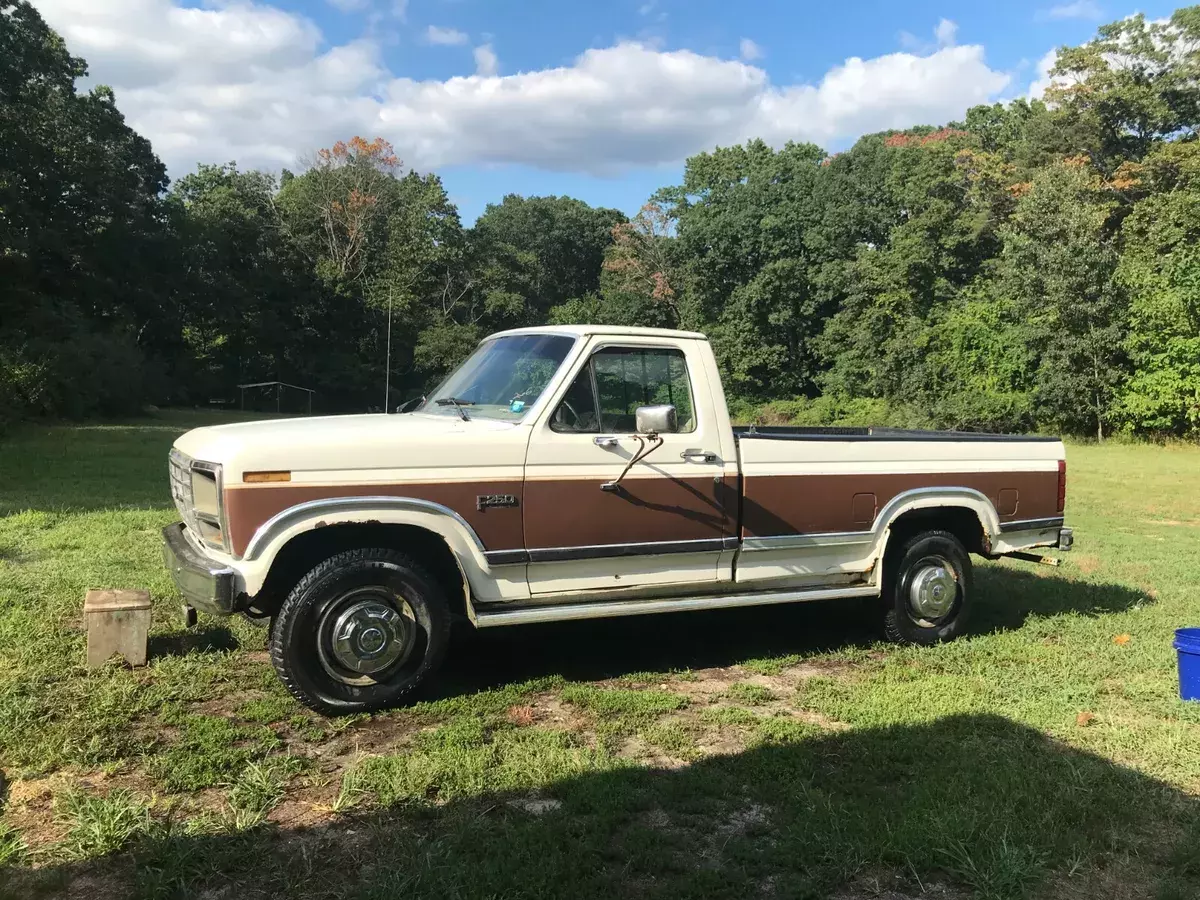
(491, 501)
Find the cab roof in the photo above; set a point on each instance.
(614, 330)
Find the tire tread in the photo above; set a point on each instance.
(277, 647)
(892, 626)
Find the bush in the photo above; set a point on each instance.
(828, 410)
(85, 374)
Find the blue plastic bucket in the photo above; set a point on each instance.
(1187, 646)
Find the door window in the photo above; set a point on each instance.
(616, 381)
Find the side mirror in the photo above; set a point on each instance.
(657, 419)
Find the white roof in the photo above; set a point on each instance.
(617, 330)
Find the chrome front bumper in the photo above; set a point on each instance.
(204, 583)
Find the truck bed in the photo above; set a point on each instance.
(815, 482)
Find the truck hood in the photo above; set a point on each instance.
(374, 447)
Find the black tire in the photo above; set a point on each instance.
(360, 585)
(925, 553)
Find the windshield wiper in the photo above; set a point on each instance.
(457, 404)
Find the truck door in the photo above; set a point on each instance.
(673, 513)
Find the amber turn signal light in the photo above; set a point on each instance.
(260, 477)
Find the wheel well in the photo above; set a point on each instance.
(305, 551)
(960, 521)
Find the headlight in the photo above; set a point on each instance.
(207, 504)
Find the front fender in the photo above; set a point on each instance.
(486, 582)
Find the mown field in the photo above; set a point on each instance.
(781, 752)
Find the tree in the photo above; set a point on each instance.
(746, 269)
(1136, 84)
(1058, 267)
(531, 254)
(84, 243)
(639, 260)
(1160, 268)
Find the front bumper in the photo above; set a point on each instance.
(204, 583)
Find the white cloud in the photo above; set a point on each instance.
(486, 63)
(749, 51)
(400, 9)
(1079, 9)
(1038, 86)
(349, 5)
(254, 83)
(445, 36)
(946, 33)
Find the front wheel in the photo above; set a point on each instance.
(361, 631)
(927, 589)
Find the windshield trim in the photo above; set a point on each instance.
(478, 412)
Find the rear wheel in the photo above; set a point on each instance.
(361, 631)
(927, 589)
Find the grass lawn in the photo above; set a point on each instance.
(780, 752)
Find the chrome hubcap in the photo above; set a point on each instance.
(933, 590)
(368, 636)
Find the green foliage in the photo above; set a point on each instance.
(1161, 270)
(1030, 267)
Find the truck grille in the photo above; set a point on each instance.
(180, 468)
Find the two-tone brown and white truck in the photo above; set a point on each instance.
(566, 473)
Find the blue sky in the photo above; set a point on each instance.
(601, 101)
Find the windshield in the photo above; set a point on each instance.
(503, 378)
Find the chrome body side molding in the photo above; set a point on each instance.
(487, 618)
(608, 551)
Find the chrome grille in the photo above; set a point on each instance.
(180, 468)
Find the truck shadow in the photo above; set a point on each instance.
(966, 805)
(610, 648)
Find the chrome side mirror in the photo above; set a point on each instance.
(656, 419)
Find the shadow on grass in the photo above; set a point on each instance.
(610, 648)
(1006, 596)
(977, 802)
(203, 639)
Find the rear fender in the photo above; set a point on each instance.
(931, 499)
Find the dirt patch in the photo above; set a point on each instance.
(536, 806)
(1127, 879)
(896, 887)
(98, 887)
(742, 820)
(303, 812)
(550, 712)
(652, 757)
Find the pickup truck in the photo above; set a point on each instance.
(578, 472)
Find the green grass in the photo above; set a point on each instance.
(750, 694)
(1036, 758)
(99, 825)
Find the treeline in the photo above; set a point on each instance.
(1033, 266)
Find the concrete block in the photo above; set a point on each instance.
(117, 622)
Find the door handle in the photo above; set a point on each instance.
(606, 440)
(693, 452)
